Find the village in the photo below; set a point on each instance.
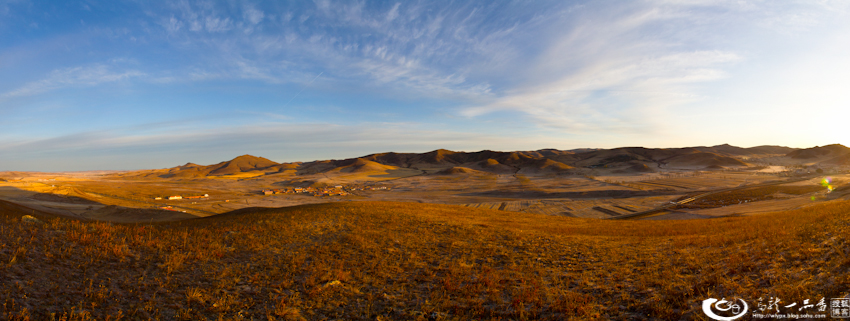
(179, 197)
(338, 190)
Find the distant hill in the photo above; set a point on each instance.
(360, 165)
(493, 166)
(635, 167)
(704, 159)
(241, 164)
(729, 150)
(769, 149)
(843, 160)
(457, 170)
(632, 157)
(623, 160)
(834, 150)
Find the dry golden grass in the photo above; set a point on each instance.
(415, 262)
(749, 195)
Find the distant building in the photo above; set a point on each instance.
(175, 197)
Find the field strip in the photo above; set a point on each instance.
(144, 202)
(691, 199)
(666, 184)
(625, 208)
(606, 211)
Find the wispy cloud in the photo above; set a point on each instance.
(404, 46)
(6, 4)
(254, 16)
(84, 76)
(612, 72)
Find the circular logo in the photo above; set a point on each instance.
(730, 308)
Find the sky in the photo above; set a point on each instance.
(121, 85)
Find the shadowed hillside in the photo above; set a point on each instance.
(240, 164)
(703, 159)
(834, 150)
(843, 160)
(9, 208)
(360, 165)
(459, 171)
(729, 150)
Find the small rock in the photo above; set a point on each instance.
(246, 289)
(332, 283)
(30, 219)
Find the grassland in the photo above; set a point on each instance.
(750, 195)
(384, 260)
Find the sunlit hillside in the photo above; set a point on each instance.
(410, 261)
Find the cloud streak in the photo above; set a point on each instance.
(621, 75)
(84, 76)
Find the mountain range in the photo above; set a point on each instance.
(544, 161)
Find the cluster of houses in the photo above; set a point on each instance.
(338, 190)
(178, 197)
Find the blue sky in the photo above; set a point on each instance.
(88, 85)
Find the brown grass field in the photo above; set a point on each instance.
(751, 195)
(409, 261)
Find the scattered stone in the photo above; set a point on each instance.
(30, 219)
(246, 289)
(332, 283)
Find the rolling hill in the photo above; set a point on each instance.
(241, 164)
(703, 159)
(544, 161)
(244, 163)
(843, 160)
(360, 165)
(457, 170)
(834, 150)
(729, 150)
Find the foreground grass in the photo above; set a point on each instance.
(414, 261)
